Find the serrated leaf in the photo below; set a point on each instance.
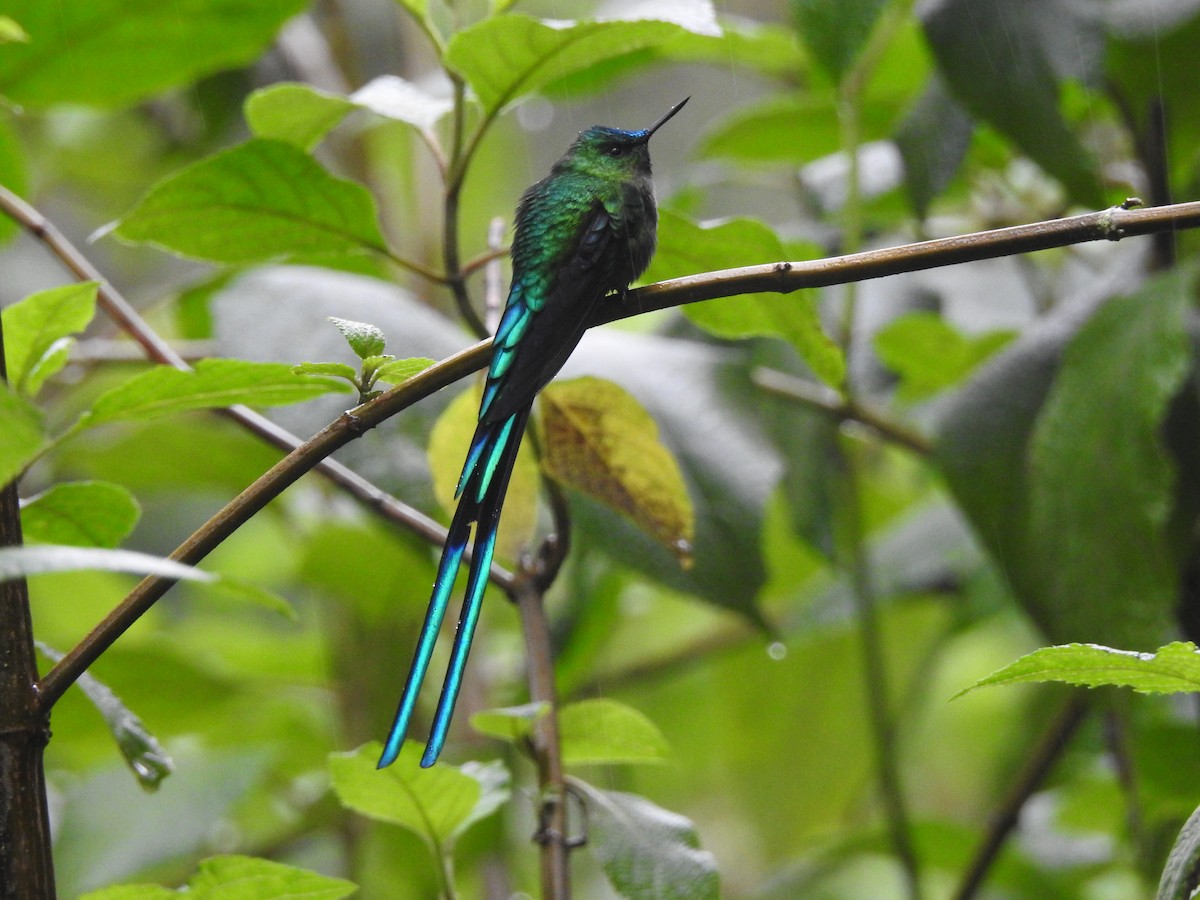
(38, 332)
(603, 731)
(930, 354)
(212, 384)
(299, 114)
(21, 435)
(686, 248)
(140, 749)
(400, 370)
(115, 52)
(507, 57)
(438, 803)
(1173, 669)
(1057, 457)
(20, 562)
(262, 200)
(512, 723)
(647, 852)
(80, 514)
(599, 440)
(448, 445)
(364, 339)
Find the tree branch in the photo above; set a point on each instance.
(26, 863)
(779, 277)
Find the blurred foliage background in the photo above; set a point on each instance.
(1033, 481)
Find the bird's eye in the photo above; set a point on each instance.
(615, 150)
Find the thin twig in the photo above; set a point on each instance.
(238, 511)
(882, 719)
(783, 277)
(1046, 753)
(547, 748)
(844, 409)
(158, 350)
(450, 203)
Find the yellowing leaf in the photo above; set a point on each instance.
(448, 444)
(599, 440)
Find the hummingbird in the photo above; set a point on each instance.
(586, 230)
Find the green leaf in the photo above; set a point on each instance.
(80, 514)
(930, 354)
(11, 31)
(604, 731)
(335, 370)
(789, 129)
(448, 445)
(302, 115)
(1008, 68)
(836, 30)
(599, 440)
(364, 339)
(116, 52)
(14, 173)
(21, 435)
(438, 803)
(400, 370)
(394, 98)
(1173, 669)
(132, 892)
(38, 329)
(933, 141)
(1057, 456)
(212, 384)
(686, 248)
(296, 113)
(262, 200)
(647, 852)
(240, 878)
(507, 57)
(20, 562)
(1181, 876)
(244, 876)
(512, 723)
(140, 749)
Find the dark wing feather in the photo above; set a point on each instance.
(553, 330)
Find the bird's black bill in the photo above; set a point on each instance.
(663, 121)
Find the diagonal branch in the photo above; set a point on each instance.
(127, 318)
(1111, 224)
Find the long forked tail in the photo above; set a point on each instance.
(481, 496)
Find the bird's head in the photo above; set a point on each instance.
(612, 152)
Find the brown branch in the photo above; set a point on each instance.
(785, 277)
(127, 318)
(26, 863)
(1049, 749)
(844, 409)
(238, 511)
